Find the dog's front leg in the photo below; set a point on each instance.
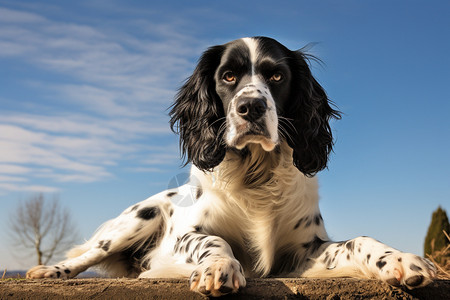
(215, 270)
(218, 272)
(369, 258)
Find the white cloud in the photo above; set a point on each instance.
(86, 157)
(15, 16)
(11, 179)
(120, 69)
(11, 187)
(85, 125)
(63, 150)
(103, 105)
(13, 169)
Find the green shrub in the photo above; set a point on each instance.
(435, 234)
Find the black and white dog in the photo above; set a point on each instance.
(254, 123)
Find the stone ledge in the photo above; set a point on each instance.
(279, 288)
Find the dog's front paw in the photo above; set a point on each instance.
(406, 269)
(42, 271)
(217, 277)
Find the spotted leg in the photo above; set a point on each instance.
(137, 225)
(214, 270)
(368, 258)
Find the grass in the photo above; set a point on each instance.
(9, 278)
(441, 259)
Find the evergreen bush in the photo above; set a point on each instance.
(435, 234)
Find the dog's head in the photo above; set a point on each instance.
(253, 90)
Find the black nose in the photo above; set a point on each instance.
(251, 109)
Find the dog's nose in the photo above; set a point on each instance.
(251, 109)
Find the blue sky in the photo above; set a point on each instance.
(85, 87)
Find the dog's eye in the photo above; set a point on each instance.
(229, 77)
(277, 77)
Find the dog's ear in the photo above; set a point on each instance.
(309, 111)
(198, 114)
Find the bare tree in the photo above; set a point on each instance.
(43, 227)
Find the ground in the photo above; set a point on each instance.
(100, 288)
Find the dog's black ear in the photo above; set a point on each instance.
(309, 111)
(198, 114)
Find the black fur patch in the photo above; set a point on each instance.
(203, 256)
(314, 245)
(380, 264)
(211, 245)
(197, 247)
(194, 276)
(104, 245)
(199, 193)
(148, 213)
(327, 260)
(368, 258)
(285, 262)
(179, 244)
(350, 246)
(67, 271)
(133, 257)
(188, 244)
(299, 223)
(58, 274)
(318, 219)
(414, 267)
(202, 238)
(223, 278)
(308, 222)
(171, 194)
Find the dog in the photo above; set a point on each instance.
(255, 125)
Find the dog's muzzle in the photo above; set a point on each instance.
(252, 118)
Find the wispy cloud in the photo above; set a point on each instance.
(116, 70)
(9, 187)
(104, 99)
(40, 150)
(14, 16)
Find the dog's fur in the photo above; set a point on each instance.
(254, 123)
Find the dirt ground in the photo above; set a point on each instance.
(100, 288)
